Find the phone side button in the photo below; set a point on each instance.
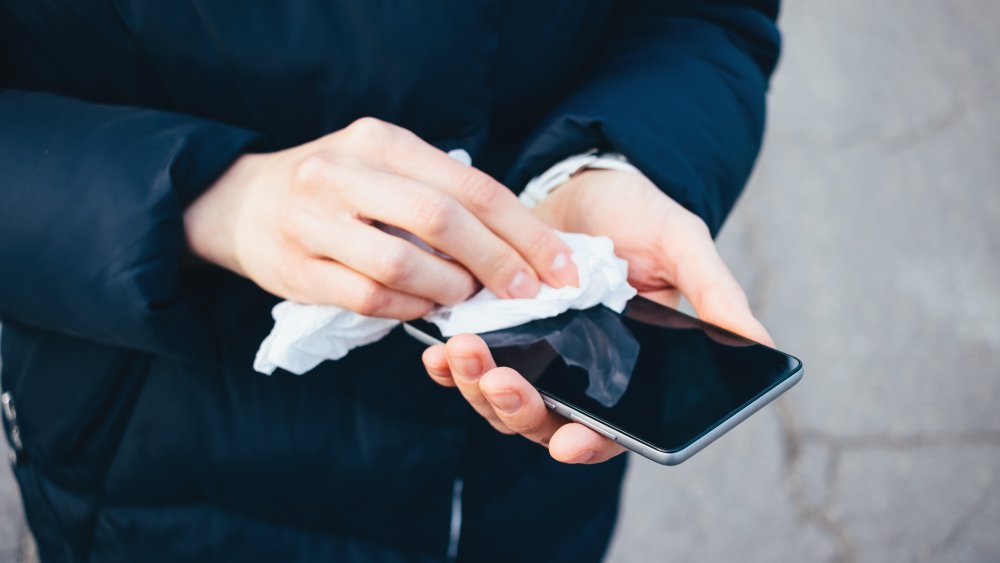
(549, 404)
(604, 433)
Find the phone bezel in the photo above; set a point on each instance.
(640, 445)
(674, 457)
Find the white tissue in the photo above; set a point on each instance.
(305, 335)
(603, 280)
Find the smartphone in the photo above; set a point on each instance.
(660, 382)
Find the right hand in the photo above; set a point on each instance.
(298, 222)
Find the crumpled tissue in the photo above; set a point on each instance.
(305, 335)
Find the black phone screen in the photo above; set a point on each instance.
(652, 372)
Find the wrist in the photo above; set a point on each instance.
(566, 208)
(555, 194)
(210, 220)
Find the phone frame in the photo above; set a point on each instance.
(639, 445)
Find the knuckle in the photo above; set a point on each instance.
(366, 127)
(435, 213)
(371, 299)
(505, 263)
(416, 311)
(695, 225)
(481, 193)
(464, 287)
(423, 310)
(542, 242)
(394, 265)
(313, 171)
(371, 134)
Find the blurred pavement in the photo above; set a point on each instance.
(869, 244)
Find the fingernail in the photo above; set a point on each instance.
(585, 457)
(523, 285)
(508, 402)
(564, 270)
(467, 367)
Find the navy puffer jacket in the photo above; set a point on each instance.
(141, 431)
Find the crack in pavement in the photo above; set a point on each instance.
(956, 529)
(902, 441)
(933, 126)
(816, 510)
(818, 514)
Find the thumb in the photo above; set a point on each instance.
(726, 306)
(710, 287)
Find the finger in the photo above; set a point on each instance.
(667, 297)
(389, 260)
(710, 287)
(324, 282)
(435, 360)
(468, 360)
(519, 405)
(406, 155)
(495, 205)
(575, 443)
(442, 222)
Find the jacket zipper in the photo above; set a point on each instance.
(456, 518)
(10, 414)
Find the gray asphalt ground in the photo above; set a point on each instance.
(869, 244)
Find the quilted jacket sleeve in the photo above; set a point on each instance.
(91, 231)
(678, 87)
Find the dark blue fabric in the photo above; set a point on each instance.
(147, 436)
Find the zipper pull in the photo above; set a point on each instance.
(10, 413)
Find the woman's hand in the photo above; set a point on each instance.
(301, 224)
(670, 252)
(510, 403)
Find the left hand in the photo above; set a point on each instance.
(670, 252)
